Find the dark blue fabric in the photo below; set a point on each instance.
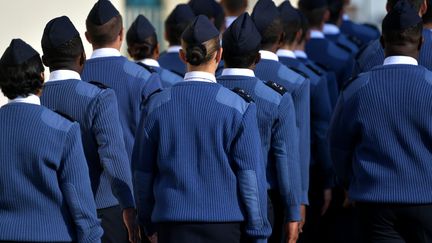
(182, 13)
(58, 31)
(242, 36)
(96, 111)
(132, 85)
(360, 32)
(17, 53)
(197, 158)
(299, 88)
(380, 143)
(264, 13)
(172, 62)
(200, 31)
(312, 4)
(401, 17)
(140, 30)
(102, 12)
(343, 41)
(279, 139)
(46, 192)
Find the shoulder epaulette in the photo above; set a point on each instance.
(300, 72)
(243, 94)
(343, 47)
(313, 69)
(147, 67)
(144, 103)
(276, 87)
(65, 115)
(99, 84)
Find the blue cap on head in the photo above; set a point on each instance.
(312, 4)
(182, 13)
(17, 53)
(288, 13)
(102, 12)
(264, 13)
(200, 31)
(58, 31)
(140, 30)
(401, 17)
(242, 36)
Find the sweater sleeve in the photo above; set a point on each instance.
(144, 160)
(111, 148)
(75, 185)
(152, 84)
(320, 119)
(285, 149)
(250, 171)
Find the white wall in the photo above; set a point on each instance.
(27, 19)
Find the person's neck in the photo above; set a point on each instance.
(401, 53)
(202, 68)
(75, 69)
(114, 45)
(289, 47)
(300, 46)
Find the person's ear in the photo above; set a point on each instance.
(82, 58)
(298, 36)
(166, 35)
(87, 35)
(130, 52)
(423, 8)
(219, 55)
(45, 61)
(388, 8)
(121, 34)
(257, 58)
(382, 42)
(281, 39)
(182, 56)
(156, 52)
(326, 16)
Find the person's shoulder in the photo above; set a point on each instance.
(368, 51)
(135, 70)
(168, 76)
(269, 91)
(235, 98)
(157, 99)
(355, 84)
(57, 120)
(287, 74)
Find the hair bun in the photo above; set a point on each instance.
(196, 54)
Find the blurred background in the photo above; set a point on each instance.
(26, 19)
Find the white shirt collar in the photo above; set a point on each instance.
(286, 53)
(238, 72)
(200, 77)
(174, 49)
(400, 60)
(268, 55)
(31, 99)
(331, 29)
(316, 34)
(229, 20)
(150, 62)
(105, 52)
(301, 54)
(63, 75)
(345, 17)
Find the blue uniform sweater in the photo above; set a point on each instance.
(381, 135)
(167, 77)
(97, 113)
(299, 89)
(279, 138)
(344, 42)
(328, 54)
(361, 32)
(197, 158)
(44, 183)
(132, 85)
(321, 111)
(373, 55)
(172, 62)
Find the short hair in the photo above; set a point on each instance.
(427, 17)
(272, 33)
(335, 8)
(105, 34)
(142, 50)
(304, 23)
(174, 32)
(22, 80)
(234, 60)
(234, 5)
(200, 53)
(411, 35)
(291, 28)
(416, 3)
(64, 55)
(315, 16)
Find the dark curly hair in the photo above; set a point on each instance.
(22, 80)
(64, 55)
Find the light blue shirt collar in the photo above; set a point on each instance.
(200, 77)
(31, 99)
(238, 72)
(400, 60)
(286, 53)
(63, 75)
(105, 52)
(268, 55)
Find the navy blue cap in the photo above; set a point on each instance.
(312, 4)
(140, 30)
(58, 31)
(17, 53)
(200, 31)
(288, 13)
(242, 36)
(182, 13)
(264, 13)
(401, 17)
(204, 7)
(102, 12)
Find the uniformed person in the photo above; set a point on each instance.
(143, 47)
(44, 179)
(276, 119)
(212, 9)
(233, 9)
(96, 110)
(197, 162)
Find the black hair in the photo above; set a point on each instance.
(335, 8)
(234, 5)
(22, 80)
(64, 55)
(411, 35)
(427, 17)
(271, 34)
(315, 16)
(291, 28)
(234, 60)
(304, 26)
(142, 50)
(201, 53)
(105, 34)
(174, 32)
(416, 3)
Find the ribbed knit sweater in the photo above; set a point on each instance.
(361, 32)
(132, 85)
(321, 111)
(45, 188)
(279, 139)
(342, 41)
(96, 110)
(172, 62)
(373, 55)
(167, 77)
(197, 158)
(298, 87)
(381, 134)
